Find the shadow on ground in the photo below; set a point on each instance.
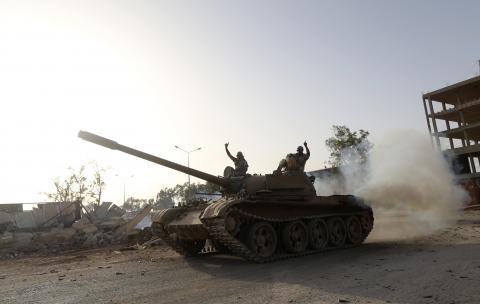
(399, 272)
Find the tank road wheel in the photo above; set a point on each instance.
(337, 230)
(354, 230)
(262, 239)
(295, 236)
(191, 247)
(232, 223)
(318, 233)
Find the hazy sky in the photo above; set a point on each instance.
(263, 75)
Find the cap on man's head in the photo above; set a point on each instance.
(239, 154)
(300, 149)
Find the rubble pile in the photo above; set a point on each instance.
(105, 225)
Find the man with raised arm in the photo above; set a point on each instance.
(294, 163)
(241, 165)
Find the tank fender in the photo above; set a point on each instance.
(167, 215)
(219, 208)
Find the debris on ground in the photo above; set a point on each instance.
(151, 243)
(59, 226)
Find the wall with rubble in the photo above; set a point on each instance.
(57, 226)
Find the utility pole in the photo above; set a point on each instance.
(188, 160)
(124, 179)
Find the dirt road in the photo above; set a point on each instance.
(444, 268)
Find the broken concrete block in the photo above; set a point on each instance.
(5, 218)
(46, 237)
(6, 221)
(25, 220)
(67, 219)
(64, 235)
(81, 223)
(16, 240)
(23, 241)
(126, 229)
(101, 212)
(112, 223)
(54, 236)
(89, 229)
(115, 211)
(91, 241)
(107, 237)
(133, 222)
(6, 239)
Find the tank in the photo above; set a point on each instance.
(260, 218)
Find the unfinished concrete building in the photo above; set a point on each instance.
(453, 119)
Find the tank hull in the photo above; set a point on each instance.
(267, 229)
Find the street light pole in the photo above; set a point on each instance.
(124, 182)
(188, 165)
(188, 160)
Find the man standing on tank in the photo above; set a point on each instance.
(294, 162)
(241, 165)
(301, 157)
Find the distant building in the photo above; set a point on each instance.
(11, 208)
(453, 119)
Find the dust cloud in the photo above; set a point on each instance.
(409, 185)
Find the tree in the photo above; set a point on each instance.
(97, 184)
(186, 191)
(209, 188)
(164, 198)
(167, 197)
(136, 204)
(77, 187)
(73, 188)
(346, 146)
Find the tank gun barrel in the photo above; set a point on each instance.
(108, 143)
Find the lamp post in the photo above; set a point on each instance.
(124, 182)
(188, 160)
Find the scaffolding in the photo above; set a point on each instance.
(453, 119)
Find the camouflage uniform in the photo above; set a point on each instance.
(294, 163)
(241, 165)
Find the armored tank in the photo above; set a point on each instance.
(260, 218)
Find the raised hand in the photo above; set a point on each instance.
(305, 143)
(226, 145)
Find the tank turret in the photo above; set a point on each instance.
(270, 185)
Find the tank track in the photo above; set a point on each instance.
(159, 230)
(216, 229)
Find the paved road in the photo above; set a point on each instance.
(444, 268)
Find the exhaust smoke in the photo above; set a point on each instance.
(409, 185)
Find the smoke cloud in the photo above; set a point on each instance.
(408, 184)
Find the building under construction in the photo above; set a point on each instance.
(453, 119)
